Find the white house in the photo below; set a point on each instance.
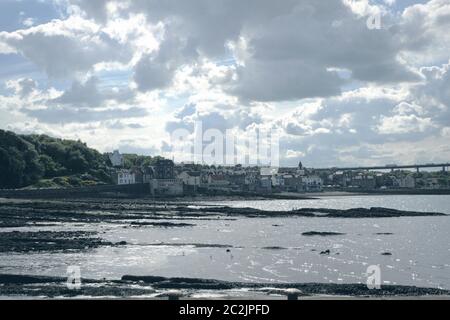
(124, 176)
(312, 183)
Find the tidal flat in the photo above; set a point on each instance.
(212, 249)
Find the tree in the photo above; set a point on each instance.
(25, 159)
(19, 161)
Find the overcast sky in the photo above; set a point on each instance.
(124, 74)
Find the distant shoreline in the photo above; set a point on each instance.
(308, 196)
(138, 192)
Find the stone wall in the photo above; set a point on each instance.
(139, 189)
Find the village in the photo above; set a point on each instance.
(167, 178)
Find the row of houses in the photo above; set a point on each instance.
(166, 178)
(249, 179)
(376, 180)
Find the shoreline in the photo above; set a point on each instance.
(33, 214)
(138, 192)
(155, 287)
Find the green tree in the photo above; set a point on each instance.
(19, 161)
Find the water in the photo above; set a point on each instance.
(419, 247)
(423, 203)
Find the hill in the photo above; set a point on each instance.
(43, 161)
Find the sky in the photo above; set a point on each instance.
(339, 91)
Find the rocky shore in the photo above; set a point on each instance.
(35, 214)
(51, 226)
(156, 287)
(16, 241)
(374, 212)
(16, 213)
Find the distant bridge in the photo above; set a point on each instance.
(391, 167)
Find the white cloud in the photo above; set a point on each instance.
(290, 47)
(23, 86)
(337, 91)
(424, 32)
(88, 95)
(404, 124)
(65, 47)
(28, 22)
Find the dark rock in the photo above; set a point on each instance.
(132, 286)
(49, 241)
(162, 224)
(374, 212)
(323, 234)
(306, 288)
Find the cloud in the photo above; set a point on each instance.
(337, 91)
(185, 111)
(219, 116)
(354, 128)
(207, 25)
(404, 124)
(23, 86)
(119, 125)
(61, 115)
(423, 31)
(284, 80)
(157, 70)
(290, 48)
(291, 56)
(88, 95)
(65, 47)
(433, 94)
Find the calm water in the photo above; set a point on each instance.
(419, 246)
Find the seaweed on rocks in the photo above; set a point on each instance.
(308, 288)
(29, 213)
(374, 212)
(16, 241)
(134, 286)
(162, 224)
(322, 234)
